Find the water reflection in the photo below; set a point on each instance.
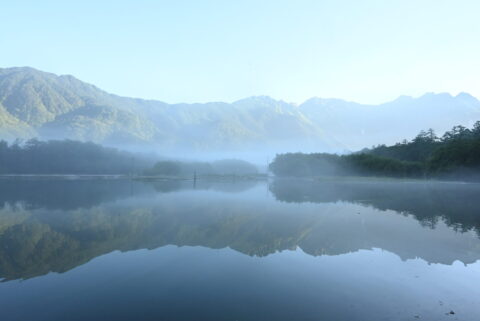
(67, 194)
(457, 204)
(57, 225)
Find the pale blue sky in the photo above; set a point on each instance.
(197, 51)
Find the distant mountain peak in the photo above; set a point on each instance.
(403, 98)
(34, 103)
(259, 99)
(465, 96)
(433, 95)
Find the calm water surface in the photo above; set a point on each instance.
(245, 250)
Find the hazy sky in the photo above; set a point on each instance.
(196, 51)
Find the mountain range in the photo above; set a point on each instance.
(34, 103)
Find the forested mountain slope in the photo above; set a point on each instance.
(39, 104)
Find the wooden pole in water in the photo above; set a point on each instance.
(132, 168)
(194, 178)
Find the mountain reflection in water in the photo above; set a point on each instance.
(56, 225)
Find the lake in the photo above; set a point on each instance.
(116, 249)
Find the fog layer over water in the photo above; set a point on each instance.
(239, 250)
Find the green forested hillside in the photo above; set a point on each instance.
(455, 154)
(40, 104)
(67, 157)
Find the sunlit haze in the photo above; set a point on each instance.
(199, 51)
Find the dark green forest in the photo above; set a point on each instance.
(455, 154)
(86, 158)
(187, 169)
(66, 157)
